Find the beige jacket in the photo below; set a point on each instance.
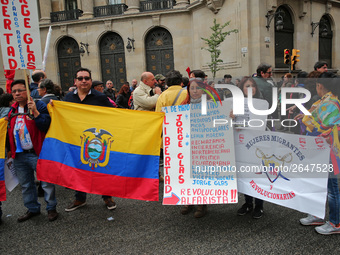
(142, 100)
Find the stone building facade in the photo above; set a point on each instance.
(119, 39)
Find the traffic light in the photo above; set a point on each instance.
(295, 58)
(286, 56)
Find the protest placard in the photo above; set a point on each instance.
(284, 169)
(20, 40)
(198, 156)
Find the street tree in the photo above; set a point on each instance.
(213, 43)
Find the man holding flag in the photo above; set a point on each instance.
(85, 95)
(26, 134)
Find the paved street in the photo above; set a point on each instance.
(141, 227)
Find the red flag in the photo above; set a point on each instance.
(9, 75)
(188, 71)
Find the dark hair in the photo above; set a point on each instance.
(248, 78)
(5, 100)
(319, 64)
(20, 81)
(311, 82)
(227, 76)
(82, 69)
(38, 76)
(58, 91)
(123, 88)
(1, 91)
(198, 74)
(262, 68)
(173, 77)
(49, 85)
(329, 81)
(200, 84)
(185, 81)
(301, 77)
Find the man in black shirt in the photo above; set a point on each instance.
(84, 94)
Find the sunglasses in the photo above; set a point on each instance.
(81, 78)
(18, 90)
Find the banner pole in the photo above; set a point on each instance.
(27, 88)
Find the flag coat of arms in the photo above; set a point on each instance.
(102, 150)
(3, 132)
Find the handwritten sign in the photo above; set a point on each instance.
(198, 157)
(20, 40)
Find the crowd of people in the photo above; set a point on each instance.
(29, 121)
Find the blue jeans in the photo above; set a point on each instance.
(25, 164)
(258, 202)
(333, 199)
(81, 196)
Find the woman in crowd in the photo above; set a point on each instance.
(194, 97)
(46, 91)
(248, 207)
(6, 100)
(123, 97)
(324, 119)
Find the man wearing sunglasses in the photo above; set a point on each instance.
(264, 73)
(26, 134)
(85, 94)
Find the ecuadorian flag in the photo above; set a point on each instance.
(102, 150)
(3, 132)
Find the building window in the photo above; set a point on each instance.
(111, 2)
(325, 40)
(283, 38)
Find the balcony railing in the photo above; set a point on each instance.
(66, 15)
(152, 5)
(109, 10)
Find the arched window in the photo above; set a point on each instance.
(69, 61)
(159, 51)
(112, 58)
(325, 40)
(284, 37)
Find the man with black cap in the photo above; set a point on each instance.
(160, 78)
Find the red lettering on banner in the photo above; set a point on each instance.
(7, 24)
(165, 123)
(189, 192)
(30, 57)
(181, 179)
(24, 12)
(4, 11)
(23, 1)
(10, 51)
(166, 141)
(8, 38)
(27, 22)
(168, 188)
(182, 192)
(27, 38)
(166, 151)
(4, 1)
(166, 169)
(167, 179)
(167, 161)
(31, 66)
(165, 133)
(12, 64)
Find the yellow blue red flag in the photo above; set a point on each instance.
(102, 150)
(3, 132)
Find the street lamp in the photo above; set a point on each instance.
(83, 47)
(131, 44)
(323, 27)
(279, 21)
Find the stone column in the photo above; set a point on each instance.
(133, 6)
(45, 11)
(181, 4)
(87, 8)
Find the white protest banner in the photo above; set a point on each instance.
(284, 169)
(20, 35)
(10, 175)
(198, 157)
